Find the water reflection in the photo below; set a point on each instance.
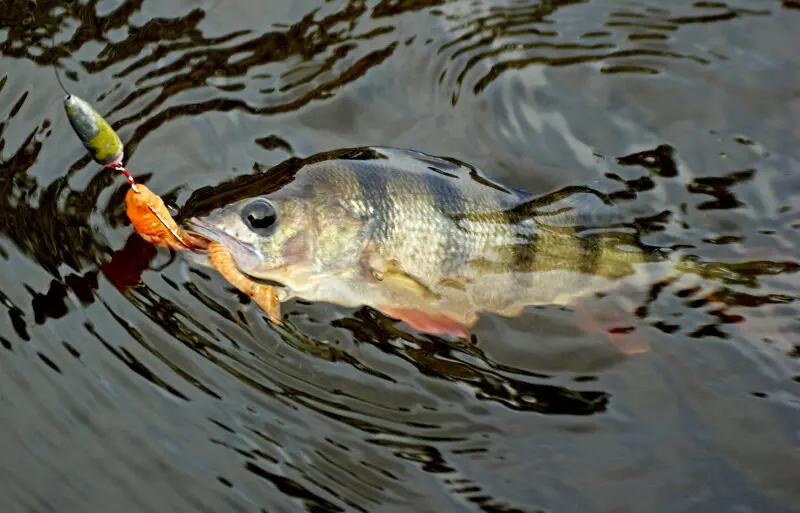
(468, 365)
(639, 37)
(171, 57)
(134, 368)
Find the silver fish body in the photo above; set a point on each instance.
(421, 238)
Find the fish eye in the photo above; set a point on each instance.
(259, 215)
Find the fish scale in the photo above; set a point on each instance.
(418, 234)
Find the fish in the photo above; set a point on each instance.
(430, 241)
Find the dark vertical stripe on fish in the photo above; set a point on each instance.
(446, 198)
(523, 260)
(590, 253)
(373, 187)
(523, 254)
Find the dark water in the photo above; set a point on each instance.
(174, 394)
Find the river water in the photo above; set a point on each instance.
(132, 381)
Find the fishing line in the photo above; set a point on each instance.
(100, 139)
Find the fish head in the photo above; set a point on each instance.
(293, 240)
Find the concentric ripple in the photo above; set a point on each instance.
(130, 377)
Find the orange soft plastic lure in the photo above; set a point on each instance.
(147, 211)
(153, 223)
(264, 296)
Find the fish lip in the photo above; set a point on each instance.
(240, 249)
(249, 254)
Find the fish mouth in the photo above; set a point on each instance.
(244, 255)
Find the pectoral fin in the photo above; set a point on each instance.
(401, 282)
(390, 274)
(407, 290)
(433, 323)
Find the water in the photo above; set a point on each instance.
(176, 395)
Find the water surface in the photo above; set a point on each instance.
(130, 378)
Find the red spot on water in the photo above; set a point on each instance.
(127, 264)
(624, 338)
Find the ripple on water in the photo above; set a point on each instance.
(131, 377)
(630, 37)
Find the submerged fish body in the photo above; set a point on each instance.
(428, 240)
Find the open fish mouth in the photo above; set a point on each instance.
(244, 255)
